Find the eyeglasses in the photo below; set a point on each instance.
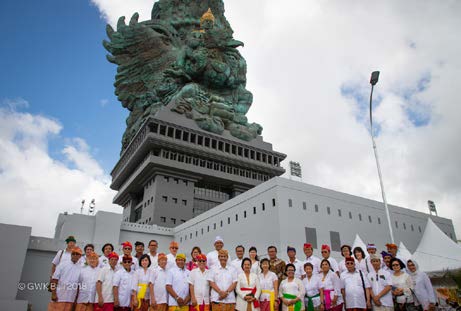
(173, 247)
(349, 263)
(396, 265)
(202, 261)
(324, 251)
(77, 254)
(127, 248)
(290, 270)
(127, 261)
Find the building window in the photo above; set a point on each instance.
(202, 231)
(316, 208)
(412, 228)
(180, 239)
(245, 214)
(167, 179)
(165, 198)
(196, 233)
(175, 200)
(360, 217)
(162, 219)
(369, 218)
(236, 217)
(263, 207)
(221, 223)
(184, 202)
(228, 220)
(290, 203)
(396, 224)
(311, 236)
(190, 236)
(419, 229)
(208, 229)
(173, 220)
(335, 241)
(328, 210)
(339, 213)
(304, 206)
(404, 226)
(379, 221)
(273, 202)
(254, 209)
(214, 226)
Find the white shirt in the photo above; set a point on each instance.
(178, 279)
(213, 260)
(103, 261)
(267, 283)
(123, 280)
(423, 289)
(105, 276)
(331, 282)
(237, 263)
(66, 256)
(67, 274)
(312, 288)
(171, 261)
(379, 280)
(223, 278)
(255, 268)
(351, 282)
(199, 280)
(403, 281)
(153, 261)
(142, 277)
(158, 278)
(242, 282)
(299, 265)
(87, 280)
(362, 266)
(315, 261)
(295, 287)
(134, 264)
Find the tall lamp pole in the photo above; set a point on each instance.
(373, 80)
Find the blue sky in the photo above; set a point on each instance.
(52, 57)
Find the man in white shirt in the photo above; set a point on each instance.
(63, 255)
(171, 257)
(355, 287)
(386, 262)
(381, 285)
(122, 285)
(158, 293)
(64, 283)
(223, 279)
(104, 284)
(237, 262)
(177, 285)
(153, 246)
(326, 250)
(198, 284)
(212, 256)
(291, 253)
(315, 261)
(87, 283)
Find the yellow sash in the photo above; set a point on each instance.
(271, 298)
(142, 288)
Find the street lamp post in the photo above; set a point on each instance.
(373, 81)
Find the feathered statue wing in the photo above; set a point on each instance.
(142, 52)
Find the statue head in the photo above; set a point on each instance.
(207, 20)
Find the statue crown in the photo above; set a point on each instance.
(207, 16)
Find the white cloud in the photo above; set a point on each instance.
(35, 186)
(103, 102)
(302, 52)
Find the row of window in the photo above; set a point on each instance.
(128, 152)
(212, 143)
(221, 223)
(214, 165)
(370, 220)
(173, 200)
(172, 220)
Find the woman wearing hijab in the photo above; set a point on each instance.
(422, 286)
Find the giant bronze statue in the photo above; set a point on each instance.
(184, 59)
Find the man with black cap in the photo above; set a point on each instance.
(291, 252)
(64, 255)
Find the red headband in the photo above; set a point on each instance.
(324, 246)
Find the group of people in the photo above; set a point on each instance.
(83, 280)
